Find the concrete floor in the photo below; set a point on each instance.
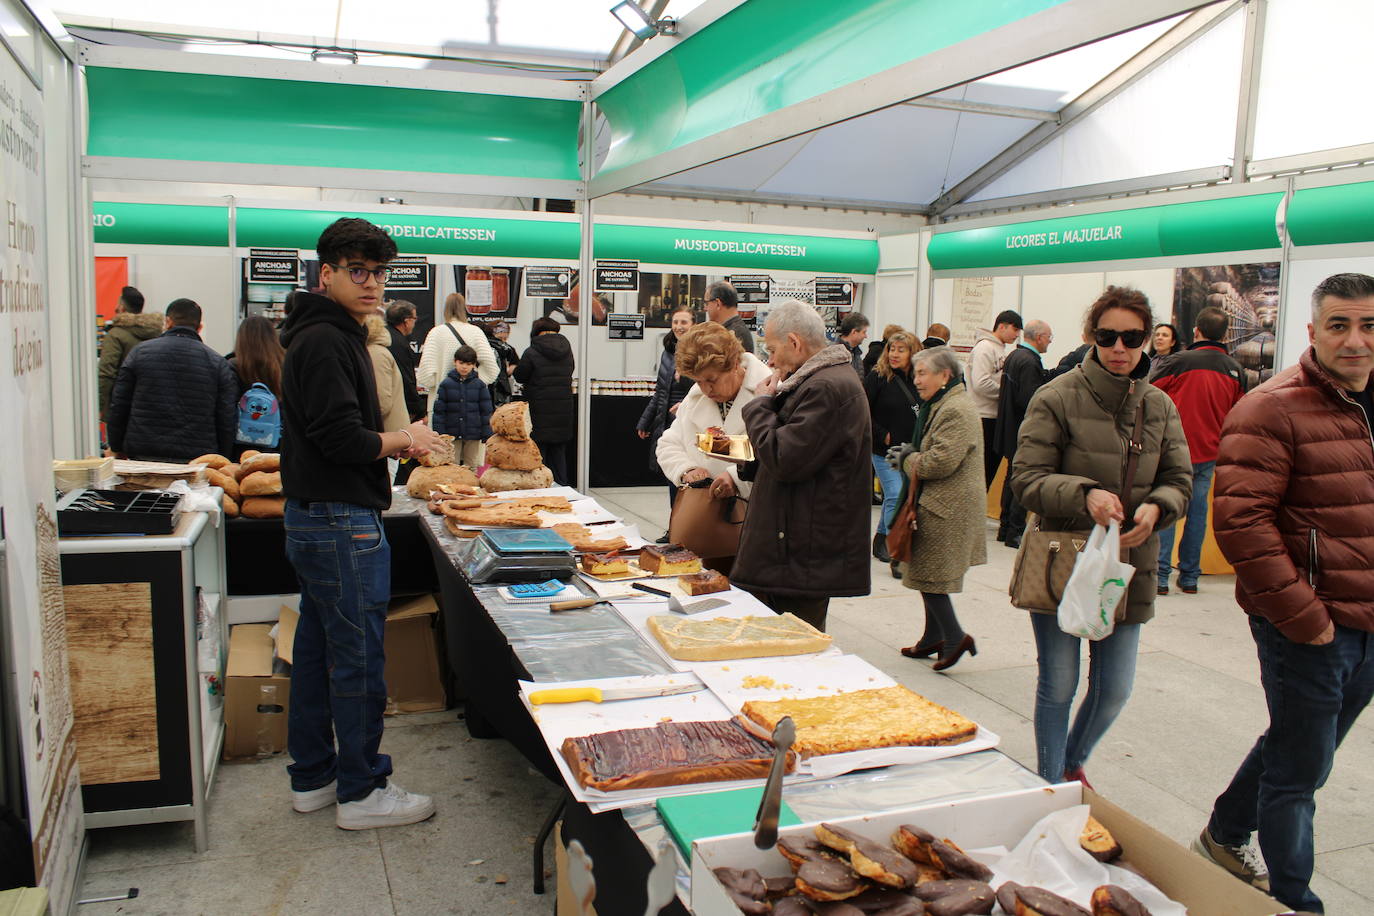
(1196, 710)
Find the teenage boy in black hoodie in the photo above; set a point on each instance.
(334, 475)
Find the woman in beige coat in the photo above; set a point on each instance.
(391, 395)
(945, 463)
(1070, 469)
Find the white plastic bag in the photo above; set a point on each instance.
(1097, 585)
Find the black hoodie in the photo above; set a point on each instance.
(330, 415)
(546, 371)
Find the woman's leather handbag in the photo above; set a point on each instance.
(903, 526)
(1045, 559)
(707, 526)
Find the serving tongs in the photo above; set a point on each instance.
(766, 821)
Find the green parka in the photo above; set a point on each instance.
(1074, 439)
(127, 330)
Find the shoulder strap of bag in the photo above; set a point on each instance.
(454, 331)
(1134, 447)
(906, 390)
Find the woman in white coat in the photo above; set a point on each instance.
(726, 378)
(436, 356)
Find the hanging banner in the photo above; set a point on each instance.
(836, 292)
(972, 310)
(273, 265)
(746, 250)
(547, 282)
(617, 276)
(33, 611)
(408, 273)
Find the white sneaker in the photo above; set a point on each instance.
(314, 800)
(389, 807)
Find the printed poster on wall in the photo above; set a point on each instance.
(37, 628)
(972, 309)
(1249, 295)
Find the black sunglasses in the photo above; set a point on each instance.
(1106, 337)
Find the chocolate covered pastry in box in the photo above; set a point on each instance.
(668, 754)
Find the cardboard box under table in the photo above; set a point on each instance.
(255, 699)
(413, 679)
(1001, 820)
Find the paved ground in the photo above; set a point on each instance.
(1196, 710)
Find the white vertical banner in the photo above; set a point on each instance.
(37, 643)
(972, 310)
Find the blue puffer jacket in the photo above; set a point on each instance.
(463, 409)
(175, 398)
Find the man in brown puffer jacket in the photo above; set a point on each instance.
(1294, 514)
(129, 328)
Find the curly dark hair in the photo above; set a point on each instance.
(351, 237)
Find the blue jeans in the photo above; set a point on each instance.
(1314, 694)
(1194, 532)
(891, 479)
(343, 562)
(1111, 674)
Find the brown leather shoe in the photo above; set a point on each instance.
(923, 649)
(950, 659)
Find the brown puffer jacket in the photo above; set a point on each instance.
(1294, 504)
(1074, 439)
(807, 530)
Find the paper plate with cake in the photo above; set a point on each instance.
(716, 443)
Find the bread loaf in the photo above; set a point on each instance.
(512, 421)
(499, 480)
(261, 462)
(261, 483)
(217, 462)
(440, 455)
(513, 455)
(230, 506)
(263, 507)
(229, 485)
(425, 479)
(249, 453)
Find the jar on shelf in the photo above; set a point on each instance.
(477, 284)
(500, 290)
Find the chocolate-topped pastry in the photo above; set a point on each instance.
(835, 908)
(922, 846)
(668, 754)
(1110, 900)
(872, 860)
(1098, 841)
(914, 843)
(1006, 896)
(1036, 901)
(720, 440)
(791, 906)
(820, 875)
(958, 897)
(887, 901)
(746, 888)
(783, 886)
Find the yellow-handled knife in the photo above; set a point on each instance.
(600, 695)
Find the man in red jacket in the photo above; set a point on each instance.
(1205, 384)
(1293, 513)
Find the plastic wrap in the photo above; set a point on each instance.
(589, 655)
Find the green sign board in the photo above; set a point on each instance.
(417, 233)
(1333, 215)
(160, 224)
(1201, 227)
(754, 250)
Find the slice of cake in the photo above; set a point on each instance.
(720, 440)
(704, 582)
(668, 560)
(605, 564)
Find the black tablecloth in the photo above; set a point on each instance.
(619, 457)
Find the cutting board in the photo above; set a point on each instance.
(692, 817)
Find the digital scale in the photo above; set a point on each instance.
(519, 555)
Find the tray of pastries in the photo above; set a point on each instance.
(668, 754)
(862, 720)
(717, 443)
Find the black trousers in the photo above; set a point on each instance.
(990, 457)
(1013, 524)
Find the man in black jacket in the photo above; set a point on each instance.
(334, 475)
(400, 322)
(174, 398)
(1022, 374)
(722, 307)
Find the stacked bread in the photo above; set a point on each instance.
(252, 488)
(516, 463)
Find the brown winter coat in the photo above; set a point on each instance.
(1294, 504)
(807, 530)
(949, 470)
(127, 330)
(1074, 439)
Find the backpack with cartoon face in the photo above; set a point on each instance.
(259, 417)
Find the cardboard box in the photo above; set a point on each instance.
(413, 680)
(255, 700)
(1003, 819)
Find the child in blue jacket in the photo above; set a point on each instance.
(463, 409)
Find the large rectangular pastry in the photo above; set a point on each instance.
(863, 719)
(722, 638)
(669, 754)
(668, 560)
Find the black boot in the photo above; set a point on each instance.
(880, 549)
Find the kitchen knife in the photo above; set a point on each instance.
(605, 695)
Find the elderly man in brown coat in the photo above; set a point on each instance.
(805, 539)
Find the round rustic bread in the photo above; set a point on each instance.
(512, 455)
(512, 420)
(216, 462)
(263, 507)
(261, 483)
(425, 479)
(499, 480)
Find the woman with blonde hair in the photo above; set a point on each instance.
(892, 403)
(436, 356)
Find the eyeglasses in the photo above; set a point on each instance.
(359, 274)
(1106, 337)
